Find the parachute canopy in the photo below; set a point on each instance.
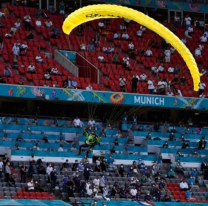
(93, 12)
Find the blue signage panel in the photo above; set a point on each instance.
(102, 97)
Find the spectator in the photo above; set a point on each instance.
(191, 29)
(7, 171)
(31, 68)
(123, 27)
(38, 23)
(171, 174)
(202, 143)
(55, 85)
(49, 169)
(62, 8)
(177, 21)
(202, 87)
(121, 171)
(76, 122)
(16, 51)
(110, 162)
(134, 82)
(117, 36)
(39, 59)
(89, 88)
(74, 83)
(143, 28)
(30, 186)
(68, 82)
(113, 150)
(186, 34)
(125, 36)
(90, 47)
(165, 145)
(60, 149)
(183, 185)
(143, 77)
(41, 169)
(101, 58)
(70, 184)
(148, 53)
(191, 180)
(122, 84)
(101, 25)
(167, 53)
(197, 52)
(131, 46)
(37, 14)
(55, 71)
(179, 167)
(7, 72)
(27, 20)
(203, 38)
(17, 24)
(133, 192)
(151, 86)
(53, 178)
(171, 70)
(47, 76)
(115, 189)
(140, 163)
(187, 21)
(8, 35)
(82, 47)
(139, 33)
(24, 46)
(48, 23)
(30, 35)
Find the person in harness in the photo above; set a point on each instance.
(91, 140)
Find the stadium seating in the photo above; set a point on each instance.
(110, 72)
(49, 150)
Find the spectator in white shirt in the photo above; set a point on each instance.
(151, 86)
(31, 68)
(202, 87)
(76, 122)
(183, 185)
(139, 33)
(203, 38)
(101, 25)
(143, 28)
(201, 47)
(82, 47)
(30, 186)
(105, 49)
(17, 24)
(91, 124)
(24, 46)
(187, 21)
(96, 181)
(180, 93)
(125, 36)
(125, 59)
(131, 46)
(167, 53)
(48, 23)
(38, 23)
(171, 70)
(123, 27)
(122, 84)
(89, 88)
(54, 70)
(49, 169)
(143, 77)
(39, 59)
(8, 35)
(154, 69)
(47, 76)
(162, 87)
(148, 53)
(197, 52)
(186, 34)
(60, 149)
(116, 35)
(133, 192)
(110, 49)
(161, 68)
(16, 50)
(101, 58)
(190, 29)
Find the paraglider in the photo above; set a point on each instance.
(94, 12)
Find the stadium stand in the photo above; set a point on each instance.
(111, 71)
(27, 142)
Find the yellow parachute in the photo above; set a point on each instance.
(90, 13)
